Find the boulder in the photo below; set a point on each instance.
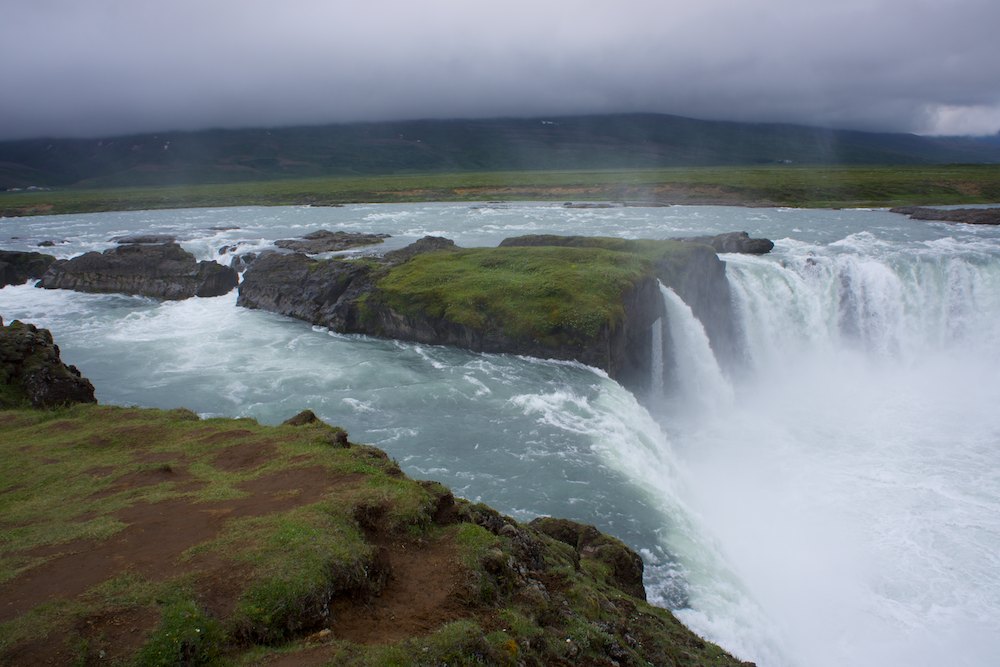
(16, 268)
(739, 242)
(31, 371)
(161, 271)
(326, 241)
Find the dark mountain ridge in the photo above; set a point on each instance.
(574, 142)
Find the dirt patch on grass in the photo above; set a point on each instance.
(156, 534)
(116, 635)
(219, 437)
(161, 474)
(245, 457)
(420, 596)
(110, 637)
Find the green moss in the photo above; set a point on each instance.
(547, 294)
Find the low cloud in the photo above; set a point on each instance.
(115, 66)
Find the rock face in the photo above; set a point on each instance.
(326, 241)
(734, 242)
(969, 216)
(16, 268)
(32, 372)
(320, 292)
(161, 271)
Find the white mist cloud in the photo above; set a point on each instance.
(113, 66)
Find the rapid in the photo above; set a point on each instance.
(828, 496)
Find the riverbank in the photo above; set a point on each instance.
(785, 185)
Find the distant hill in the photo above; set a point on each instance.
(577, 142)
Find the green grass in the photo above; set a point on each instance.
(803, 186)
(534, 293)
(58, 475)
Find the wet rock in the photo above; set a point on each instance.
(31, 371)
(16, 267)
(319, 292)
(162, 271)
(969, 216)
(739, 242)
(144, 239)
(241, 263)
(326, 241)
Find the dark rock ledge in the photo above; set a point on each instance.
(969, 216)
(16, 268)
(326, 241)
(161, 271)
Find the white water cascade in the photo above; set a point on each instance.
(850, 475)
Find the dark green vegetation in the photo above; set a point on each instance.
(580, 142)
(146, 537)
(562, 295)
(833, 186)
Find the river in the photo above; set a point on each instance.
(831, 496)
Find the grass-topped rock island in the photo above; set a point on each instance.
(587, 299)
(147, 537)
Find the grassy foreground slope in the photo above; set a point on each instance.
(145, 537)
(827, 186)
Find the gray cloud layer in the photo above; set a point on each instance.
(98, 67)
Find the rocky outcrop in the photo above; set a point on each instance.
(317, 291)
(161, 271)
(739, 242)
(31, 371)
(326, 241)
(626, 567)
(969, 216)
(350, 297)
(16, 268)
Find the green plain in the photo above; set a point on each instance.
(786, 185)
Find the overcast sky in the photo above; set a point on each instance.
(105, 67)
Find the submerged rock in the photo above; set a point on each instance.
(326, 241)
(32, 372)
(16, 267)
(161, 271)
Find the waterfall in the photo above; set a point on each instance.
(697, 381)
(852, 482)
